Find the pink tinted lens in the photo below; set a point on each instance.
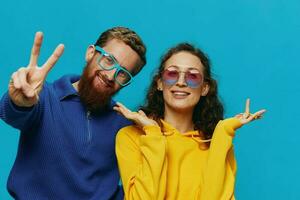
(193, 79)
(170, 77)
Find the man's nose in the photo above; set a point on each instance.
(110, 74)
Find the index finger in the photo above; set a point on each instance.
(35, 51)
(247, 108)
(123, 110)
(257, 115)
(123, 107)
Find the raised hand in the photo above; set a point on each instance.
(139, 118)
(247, 117)
(26, 83)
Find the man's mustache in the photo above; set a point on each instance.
(109, 83)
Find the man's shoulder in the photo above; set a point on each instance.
(66, 79)
(62, 86)
(121, 119)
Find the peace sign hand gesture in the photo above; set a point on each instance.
(247, 117)
(26, 83)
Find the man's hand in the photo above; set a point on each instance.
(26, 83)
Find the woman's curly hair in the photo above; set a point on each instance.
(208, 111)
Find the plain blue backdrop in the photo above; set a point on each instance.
(253, 44)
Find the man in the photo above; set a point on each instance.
(67, 140)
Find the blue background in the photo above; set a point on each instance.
(253, 44)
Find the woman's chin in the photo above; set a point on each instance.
(181, 107)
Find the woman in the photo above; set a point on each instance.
(181, 147)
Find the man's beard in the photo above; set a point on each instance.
(95, 99)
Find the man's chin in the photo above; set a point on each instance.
(98, 103)
(94, 98)
(95, 92)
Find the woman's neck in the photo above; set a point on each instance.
(181, 120)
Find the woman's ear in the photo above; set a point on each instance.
(159, 85)
(205, 89)
(89, 53)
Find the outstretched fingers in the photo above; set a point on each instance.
(125, 111)
(121, 109)
(142, 113)
(247, 108)
(35, 51)
(258, 114)
(53, 59)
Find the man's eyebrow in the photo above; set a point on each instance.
(114, 58)
(117, 61)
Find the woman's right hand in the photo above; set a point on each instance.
(247, 117)
(139, 118)
(26, 83)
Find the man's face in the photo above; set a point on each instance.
(96, 85)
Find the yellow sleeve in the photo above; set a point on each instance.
(141, 160)
(219, 175)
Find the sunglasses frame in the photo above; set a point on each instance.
(185, 77)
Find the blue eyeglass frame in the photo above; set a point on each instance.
(115, 66)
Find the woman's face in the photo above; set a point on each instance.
(182, 82)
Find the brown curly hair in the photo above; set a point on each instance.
(208, 111)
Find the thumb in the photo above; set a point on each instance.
(142, 113)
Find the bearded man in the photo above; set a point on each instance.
(67, 128)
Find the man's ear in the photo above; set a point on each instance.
(90, 53)
(159, 85)
(205, 89)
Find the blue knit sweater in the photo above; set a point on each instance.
(64, 151)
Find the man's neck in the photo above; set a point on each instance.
(75, 85)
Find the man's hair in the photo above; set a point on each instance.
(127, 36)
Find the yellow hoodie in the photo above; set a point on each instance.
(161, 163)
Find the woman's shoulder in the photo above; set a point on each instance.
(131, 131)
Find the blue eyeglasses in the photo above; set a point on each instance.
(107, 62)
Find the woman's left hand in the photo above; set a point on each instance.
(139, 118)
(247, 117)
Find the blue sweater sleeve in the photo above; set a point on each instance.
(19, 117)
